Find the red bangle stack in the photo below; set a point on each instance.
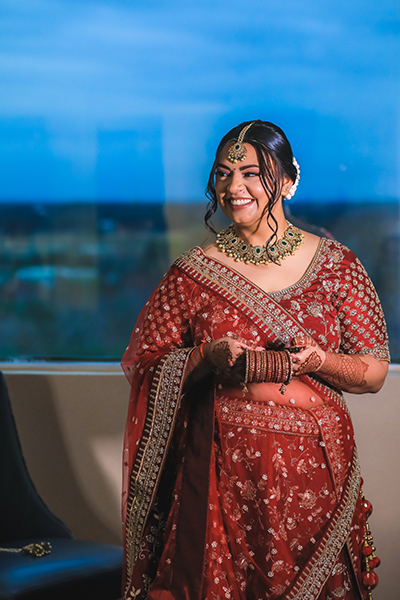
(273, 366)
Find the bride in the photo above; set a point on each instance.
(241, 472)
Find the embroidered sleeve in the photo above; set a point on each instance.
(362, 323)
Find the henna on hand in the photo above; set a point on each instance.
(344, 370)
(221, 356)
(305, 359)
(237, 372)
(249, 343)
(311, 364)
(303, 341)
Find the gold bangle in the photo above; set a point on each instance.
(290, 367)
(246, 375)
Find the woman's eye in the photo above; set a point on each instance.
(221, 174)
(251, 174)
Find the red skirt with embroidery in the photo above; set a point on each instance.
(271, 498)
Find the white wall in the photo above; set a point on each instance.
(71, 428)
(376, 420)
(71, 421)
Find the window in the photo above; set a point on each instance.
(109, 118)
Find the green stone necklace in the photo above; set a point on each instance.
(229, 242)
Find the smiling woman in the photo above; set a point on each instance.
(269, 178)
(250, 192)
(240, 191)
(241, 471)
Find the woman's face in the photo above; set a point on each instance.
(239, 189)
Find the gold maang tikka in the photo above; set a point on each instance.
(238, 150)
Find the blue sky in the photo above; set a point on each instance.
(127, 99)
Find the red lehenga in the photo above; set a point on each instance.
(245, 495)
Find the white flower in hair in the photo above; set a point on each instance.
(293, 189)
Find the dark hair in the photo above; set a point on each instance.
(275, 158)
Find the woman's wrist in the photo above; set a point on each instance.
(344, 370)
(201, 349)
(205, 352)
(273, 366)
(202, 357)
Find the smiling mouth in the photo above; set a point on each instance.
(240, 201)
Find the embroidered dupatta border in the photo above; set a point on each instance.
(317, 571)
(256, 304)
(163, 405)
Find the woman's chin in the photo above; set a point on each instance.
(243, 214)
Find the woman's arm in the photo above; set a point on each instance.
(354, 373)
(357, 374)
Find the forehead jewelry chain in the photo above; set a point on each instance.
(238, 150)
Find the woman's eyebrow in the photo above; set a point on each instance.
(249, 167)
(221, 166)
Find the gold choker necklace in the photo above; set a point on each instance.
(229, 242)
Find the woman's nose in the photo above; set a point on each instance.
(236, 183)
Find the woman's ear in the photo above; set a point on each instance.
(287, 184)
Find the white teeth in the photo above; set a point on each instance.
(241, 201)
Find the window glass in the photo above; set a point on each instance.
(110, 114)
(74, 277)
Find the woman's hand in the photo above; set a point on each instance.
(227, 357)
(309, 358)
(223, 353)
(355, 373)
